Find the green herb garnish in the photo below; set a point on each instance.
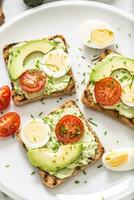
(6, 166)
(40, 114)
(32, 173)
(105, 133)
(99, 166)
(77, 182)
(84, 172)
(91, 122)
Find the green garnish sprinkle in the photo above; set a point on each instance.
(6, 166)
(91, 122)
(99, 166)
(32, 173)
(77, 182)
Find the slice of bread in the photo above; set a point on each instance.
(88, 100)
(52, 181)
(20, 99)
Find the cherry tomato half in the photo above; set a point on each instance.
(107, 91)
(32, 80)
(5, 97)
(9, 124)
(69, 129)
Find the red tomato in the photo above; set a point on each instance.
(9, 124)
(107, 91)
(5, 97)
(32, 80)
(69, 129)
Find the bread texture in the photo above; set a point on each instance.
(20, 99)
(88, 100)
(52, 181)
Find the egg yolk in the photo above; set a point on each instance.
(102, 37)
(56, 62)
(116, 159)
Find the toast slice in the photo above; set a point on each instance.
(52, 181)
(21, 99)
(87, 100)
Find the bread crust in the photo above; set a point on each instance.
(52, 181)
(21, 100)
(88, 100)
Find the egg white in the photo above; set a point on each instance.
(60, 73)
(127, 90)
(126, 166)
(86, 30)
(45, 132)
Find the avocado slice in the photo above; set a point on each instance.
(20, 51)
(112, 62)
(46, 159)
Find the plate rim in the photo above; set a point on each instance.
(31, 11)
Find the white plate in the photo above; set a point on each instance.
(65, 18)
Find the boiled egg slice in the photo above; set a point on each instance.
(97, 34)
(119, 159)
(127, 96)
(56, 63)
(35, 133)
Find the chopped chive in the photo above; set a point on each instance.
(117, 141)
(80, 49)
(92, 122)
(77, 182)
(84, 172)
(105, 133)
(60, 98)
(90, 118)
(85, 181)
(119, 28)
(83, 57)
(32, 173)
(6, 166)
(32, 116)
(83, 81)
(117, 46)
(99, 166)
(40, 113)
(129, 35)
(95, 55)
(42, 102)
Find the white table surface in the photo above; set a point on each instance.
(14, 7)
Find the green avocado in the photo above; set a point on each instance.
(19, 53)
(47, 160)
(112, 62)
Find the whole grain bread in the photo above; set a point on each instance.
(21, 99)
(52, 181)
(88, 100)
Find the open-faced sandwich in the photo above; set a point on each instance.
(111, 88)
(39, 69)
(60, 144)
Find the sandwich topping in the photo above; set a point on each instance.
(39, 67)
(112, 84)
(66, 144)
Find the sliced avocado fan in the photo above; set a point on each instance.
(19, 53)
(112, 62)
(46, 159)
